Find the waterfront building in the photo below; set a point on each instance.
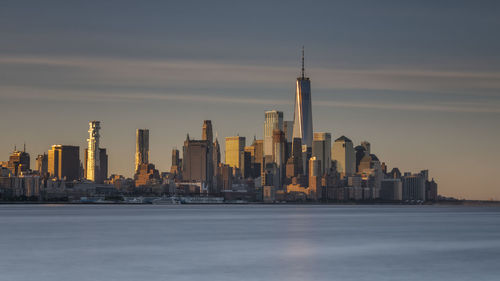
(343, 154)
(391, 190)
(413, 186)
(93, 153)
(141, 148)
(273, 121)
(63, 162)
(321, 149)
(431, 190)
(302, 121)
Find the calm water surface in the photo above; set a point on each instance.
(118, 242)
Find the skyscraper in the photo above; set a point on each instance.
(302, 121)
(322, 146)
(64, 162)
(195, 154)
(343, 154)
(235, 146)
(273, 121)
(207, 135)
(141, 148)
(93, 161)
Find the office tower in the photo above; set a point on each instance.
(431, 190)
(251, 151)
(302, 121)
(64, 162)
(391, 190)
(175, 168)
(367, 146)
(103, 165)
(322, 146)
(207, 135)
(297, 156)
(216, 155)
(42, 162)
(234, 148)
(273, 121)
(343, 154)
(246, 164)
(19, 161)
(141, 148)
(360, 152)
(279, 143)
(175, 157)
(258, 157)
(225, 175)
(93, 153)
(288, 130)
(413, 186)
(315, 178)
(194, 162)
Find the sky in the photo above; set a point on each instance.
(419, 80)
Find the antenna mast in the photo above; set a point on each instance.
(303, 63)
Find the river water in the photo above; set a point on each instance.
(248, 242)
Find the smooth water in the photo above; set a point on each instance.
(250, 242)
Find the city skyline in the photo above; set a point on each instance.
(416, 114)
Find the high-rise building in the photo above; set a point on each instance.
(141, 148)
(19, 161)
(279, 146)
(288, 130)
(93, 153)
(302, 121)
(195, 154)
(343, 154)
(235, 146)
(391, 189)
(103, 165)
(315, 178)
(64, 162)
(216, 155)
(273, 121)
(321, 149)
(42, 162)
(207, 135)
(413, 186)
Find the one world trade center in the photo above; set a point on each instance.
(302, 121)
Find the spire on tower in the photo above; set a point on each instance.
(303, 74)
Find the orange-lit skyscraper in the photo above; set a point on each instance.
(302, 121)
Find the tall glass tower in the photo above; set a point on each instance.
(303, 124)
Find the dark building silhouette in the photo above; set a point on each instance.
(64, 162)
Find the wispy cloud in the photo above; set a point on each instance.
(137, 72)
(210, 98)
